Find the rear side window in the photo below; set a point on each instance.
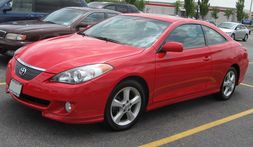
(111, 15)
(71, 3)
(22, 5)
(94, 18)
(47, 6)
(110, 7)
(122, 8)
(213, 37)
(190, 35)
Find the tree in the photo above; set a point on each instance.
(189, 6)
(130, 1)
(239, 10)
(178, 5)
(245, 15)
(215, 12)
(140, 4)
(228, 13)
(204, 8)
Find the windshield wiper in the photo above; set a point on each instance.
(50, 22)
(106, 39)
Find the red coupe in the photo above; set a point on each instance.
(123, 66)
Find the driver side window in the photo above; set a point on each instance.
(94, 18)
(190, 35)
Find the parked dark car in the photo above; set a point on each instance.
(13, 10)
(120, 7)
(16, 34)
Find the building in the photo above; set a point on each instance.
(168, 7)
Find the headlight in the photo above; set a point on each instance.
(82, 74)
(18, 37)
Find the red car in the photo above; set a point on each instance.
(115, 70)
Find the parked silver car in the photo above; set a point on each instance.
(236, 30)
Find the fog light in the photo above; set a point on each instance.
(68, 107)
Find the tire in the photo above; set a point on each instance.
(246, 37)
(228, 85)
(233, 36)
(125, 105)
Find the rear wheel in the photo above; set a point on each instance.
(228, 85)
(246, 37)
(125, 105)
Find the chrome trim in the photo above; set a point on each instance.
(30, 66)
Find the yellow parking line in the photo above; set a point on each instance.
(244, 84)
(201, 128)
(1, 84)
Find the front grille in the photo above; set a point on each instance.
(34, 100)
(26, 72)
(2, 34)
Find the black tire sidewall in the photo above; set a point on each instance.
(127, 83)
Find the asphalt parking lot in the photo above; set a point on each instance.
(203, 122)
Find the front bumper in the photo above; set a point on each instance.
(88, 99)
(11, 45)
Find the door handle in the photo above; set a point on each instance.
(207, 58)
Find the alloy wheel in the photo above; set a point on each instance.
(125, 106)
(229, 83)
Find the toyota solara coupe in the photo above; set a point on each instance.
(124, 66)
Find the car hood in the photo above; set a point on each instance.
(66, 52)
(227, 30)
(29, 26)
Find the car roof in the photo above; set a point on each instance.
(236, 23)
(101, 4)
(161, 17)
(92, 9)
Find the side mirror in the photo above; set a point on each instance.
(7, 7)
(82, 26)
(237, 28)
(173, 47)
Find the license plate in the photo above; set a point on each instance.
(15, 88)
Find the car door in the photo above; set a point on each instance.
(185, 73)
(220, 53)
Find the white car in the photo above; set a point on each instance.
(237, 31)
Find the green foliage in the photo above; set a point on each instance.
(204, 8)
(140, 4)
(228, 13)
(178, 5)
(130, 1)
(215, 12)
(239, 9)
(189, 6)
(245, 15)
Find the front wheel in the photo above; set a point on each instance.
(233, 36)
(125, 105)
(228, 85)
(246, 37)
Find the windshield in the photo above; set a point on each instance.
(227, 25)
(64, 16)
(2, 2)
(135, 31)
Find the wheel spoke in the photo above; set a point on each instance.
(116, 103)
(130, 115)
(135, 100)
(118, 117)
(226, 90)
(126, 94)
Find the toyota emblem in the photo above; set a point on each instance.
(22, 71)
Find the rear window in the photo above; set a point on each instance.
(22, 5)
(213, 37)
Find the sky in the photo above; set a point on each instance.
(221, 3)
